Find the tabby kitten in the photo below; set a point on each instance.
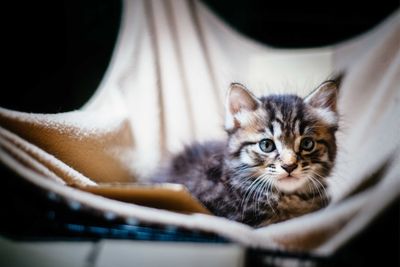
(274, 163)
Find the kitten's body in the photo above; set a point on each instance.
(201, 169)
(259, 182)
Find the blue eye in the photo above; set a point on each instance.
(267, 145)
(307, 144)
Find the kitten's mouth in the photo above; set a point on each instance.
(288, 178)
(289, 183)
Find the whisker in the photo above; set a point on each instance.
(270, 188)
(319, 186)
(258, 194)
(249, 192)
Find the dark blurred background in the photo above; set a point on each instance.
(56, 52)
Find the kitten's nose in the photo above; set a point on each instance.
(289, 168)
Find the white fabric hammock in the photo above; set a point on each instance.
(165, 87)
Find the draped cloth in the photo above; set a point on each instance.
(165, 87)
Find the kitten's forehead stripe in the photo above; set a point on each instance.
(281, 124)
(295, 125)
(302, 127)
(271, 128)
(286, 116)
(277, 128)
(270, 109)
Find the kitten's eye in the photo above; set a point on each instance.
(267, 145)
(307, 144)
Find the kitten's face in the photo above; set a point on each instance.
(284, 142)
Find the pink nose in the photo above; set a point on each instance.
(289, 168)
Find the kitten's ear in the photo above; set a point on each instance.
(325, 96)
(324, 99)
(240, 103)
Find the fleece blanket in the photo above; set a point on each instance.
(165, 87)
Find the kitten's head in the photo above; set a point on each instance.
(284, 141)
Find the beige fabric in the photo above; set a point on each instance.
(165, 87)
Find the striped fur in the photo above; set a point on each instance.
(238, 180)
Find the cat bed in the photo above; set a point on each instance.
(165, 87)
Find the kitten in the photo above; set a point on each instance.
(274, 163)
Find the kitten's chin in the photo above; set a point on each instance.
(290, 184)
